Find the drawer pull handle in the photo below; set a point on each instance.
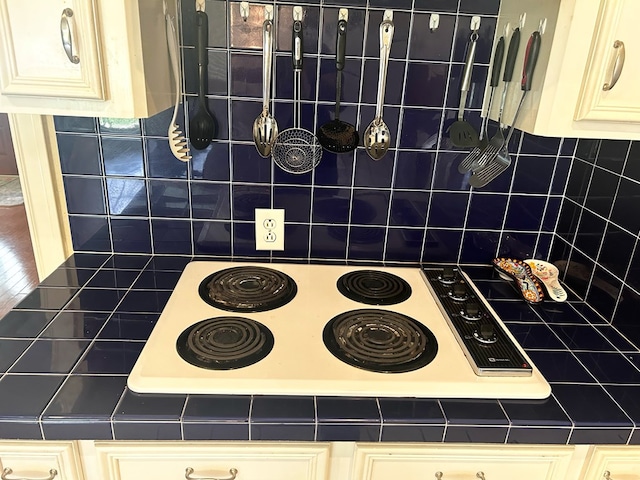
(607, 475)
(479, 475)
(68, 33)
(7, 471)
(618, 63)
(189, 471)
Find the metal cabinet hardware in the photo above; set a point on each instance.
(479, 475)
(7, 471)
(68, 35)
(189, 471)
(607, 475)
(617, 64)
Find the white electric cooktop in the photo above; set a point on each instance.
(299, 362)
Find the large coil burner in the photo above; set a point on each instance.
(380, 341)
(224, 343)
(374, 287)
(248, 289)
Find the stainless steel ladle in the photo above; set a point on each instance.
(377, 136)
(265, 127)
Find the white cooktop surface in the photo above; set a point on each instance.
(299, 363)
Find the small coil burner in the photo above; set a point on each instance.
(374, 287)
(380, 341)
(224, 343)
(248, 289)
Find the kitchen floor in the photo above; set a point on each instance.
(18, 275)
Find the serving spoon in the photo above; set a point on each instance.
(202, 127)
(377, 136)
(265, 127)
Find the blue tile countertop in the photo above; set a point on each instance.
(67, 348)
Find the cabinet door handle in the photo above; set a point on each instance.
(607, 475)
(187, 474)
(68, 34)
(7, 471)
(616, 68)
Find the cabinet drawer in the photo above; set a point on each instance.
(39, 459)
(170, 460)
(622, 463)
(417, 462)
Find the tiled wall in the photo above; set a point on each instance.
(127, 193)
(597, 235)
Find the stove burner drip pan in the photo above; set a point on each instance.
(225, 343)
(248, 289)
(374, 287)
(380, 341)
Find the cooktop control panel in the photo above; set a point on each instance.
(483, 339)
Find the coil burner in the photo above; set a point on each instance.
(225, 343)
(380, 341)
(248, 289)
(374, 287)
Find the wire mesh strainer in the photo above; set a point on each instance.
(297, 150)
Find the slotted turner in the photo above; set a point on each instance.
(500, 160)
(469, 160)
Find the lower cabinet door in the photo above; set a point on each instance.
(212, 460)
(40, 460)
(613, 463)
(450, 462)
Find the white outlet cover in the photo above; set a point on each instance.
(267, 217)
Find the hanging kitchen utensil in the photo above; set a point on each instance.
(461, 132)
(497, 141)
(377, 136)
(297, 150)
(338, 136)
(177, 142)
(265, 127)
(202, 127)
(502, 160)
(467, 162)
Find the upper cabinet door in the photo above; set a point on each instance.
(610, 87)
(50, 48)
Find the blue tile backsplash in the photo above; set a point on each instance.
(126, 193)
(597, 235)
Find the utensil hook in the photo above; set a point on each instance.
(434, 22)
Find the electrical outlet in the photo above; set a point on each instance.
(269, 229)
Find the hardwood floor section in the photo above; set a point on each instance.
(18, 275)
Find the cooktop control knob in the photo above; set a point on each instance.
(459, 292)
(448, 276)
(485, 333)
(471, 311)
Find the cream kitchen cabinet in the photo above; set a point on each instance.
(103, 58)
(462, 462)
(613, 463)
(42, 460)
(223, 461)
(585, 81)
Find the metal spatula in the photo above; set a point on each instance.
(501, 160)
(476, 153)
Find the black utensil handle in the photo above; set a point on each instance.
(512, 53)
(530, 60)
(497, 63)
(341, 44)
(297, 45)
(202, 32)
